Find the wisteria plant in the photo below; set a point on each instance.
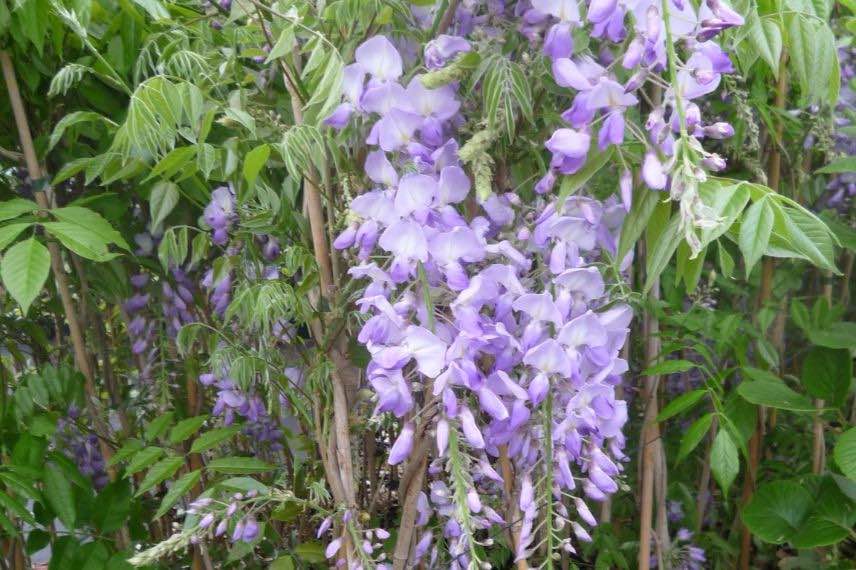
(427, 284)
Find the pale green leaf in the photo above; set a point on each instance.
(845, 453)
(10, 232)
(24, 269)
(724, 460)
(755, 230)
(16, 207)
(162, 201)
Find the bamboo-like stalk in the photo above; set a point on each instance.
(649, 447)
(58, 268)
(818, 449)
(774, 177)
(704, 480)
(341, 479)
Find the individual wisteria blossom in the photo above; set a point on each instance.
(501, 317)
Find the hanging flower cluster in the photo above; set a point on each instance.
(497, 314)
(80, 448)
(490, 316)
(674, 159)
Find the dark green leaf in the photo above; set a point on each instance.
(143, 459)
(694, 435)
(213, 438)
(160, 472)
(177, 491)
(774, 394)
(777, 510)
(186, 428)
(669, 367)
(827, 373)
(239, 465)
(59, 495)
(681, 404)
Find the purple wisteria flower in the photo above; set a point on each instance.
(502, 335)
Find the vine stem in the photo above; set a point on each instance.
(548, 479)
(673, 66)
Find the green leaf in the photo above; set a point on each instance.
(694, 435)
(213, 438)
(662, 251)
(726, 201)
(10, 232)
(669, 367)
(806, 235)
(643, 205)
(244, 484)
(594, 162)
(24, 269)
(112, 506)
(311, 552)
(154, 8)
(16, 207)
(845, 453)
(93, 222)
(7, 525)
(131, 447)
(777, 510)
(160, 472)
(284, 44)
(177, 491)
(254, 161)
(143, 459)
(59, 495)
(180, 159)
(755, 230)
(15, 506)
(813, 57)
(75, 118)
(774, 394)
(158, 426)
(724, 460)
(681, 404)
(186, 428)
(162, 201)
(239, 465)
(841, 334)
(842, 165)
(827, 373)
(285, 562)
(243, 118)
(765, 35)
(80, 240)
